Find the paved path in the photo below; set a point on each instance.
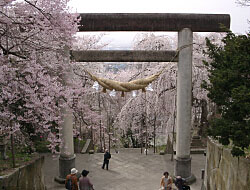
(128, 170)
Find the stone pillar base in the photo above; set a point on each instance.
(65, 165)
(183, 169)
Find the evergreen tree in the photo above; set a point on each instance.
(229, 88)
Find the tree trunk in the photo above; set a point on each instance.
(141, 136)
(104, 145)
(154, 138)
(13, 151)
(172, 154)
(154, 131)
(80, 122)
(100, 122)
(92, 139)
(141, 145)
(109, 142)
(146, 140)
(100, 135)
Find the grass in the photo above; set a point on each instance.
(42, 146)
(79, 144)
(247, 151)
(20, 159)
(161, 148)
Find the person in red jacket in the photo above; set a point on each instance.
(73, 177)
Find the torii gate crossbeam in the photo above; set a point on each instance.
(153, 22)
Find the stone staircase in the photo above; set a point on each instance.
(197, 146)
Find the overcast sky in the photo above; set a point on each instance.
(239, 15)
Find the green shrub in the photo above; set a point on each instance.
(78, 144)
(81, 142)
(161, 148)
(42, 146)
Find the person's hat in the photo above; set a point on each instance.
(178, 177)
(85, 172)
(73, 171)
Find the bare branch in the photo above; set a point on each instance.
(40, 10)
(7, 52)
(243, 3)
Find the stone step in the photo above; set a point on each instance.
(196, 137)
(196, 151)
(196, 140)
(197, 145)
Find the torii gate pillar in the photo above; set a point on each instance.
(67, 156)
(184, 98)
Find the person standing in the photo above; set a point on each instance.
(84, 182)
(71, 180)
(166, 181)
(107, 157)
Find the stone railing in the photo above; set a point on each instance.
(27, 177)
(223, 171)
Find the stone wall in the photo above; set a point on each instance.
(26, 177)
(223, 171)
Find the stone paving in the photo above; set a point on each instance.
(128, 170)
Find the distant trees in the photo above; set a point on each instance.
(229, 88)
(138, 113)
(161, 103)
(243, 2)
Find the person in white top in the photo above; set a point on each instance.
(166, 181)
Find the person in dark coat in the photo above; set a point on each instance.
(107, 157)
(180, 183)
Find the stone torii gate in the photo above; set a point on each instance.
(185, 25)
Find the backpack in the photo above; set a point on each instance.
(179, 183)
(109, 155)
(68, 184)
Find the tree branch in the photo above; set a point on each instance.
(167, 89)
(7, 52)
(40, 10)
